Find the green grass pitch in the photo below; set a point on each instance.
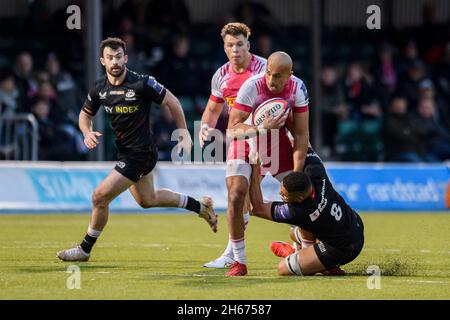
(160, 256)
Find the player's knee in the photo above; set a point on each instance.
(237, 195)
(100, 198)
(150, 201)
(282, 269)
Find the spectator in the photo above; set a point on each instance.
(257, 16)
(165, 18)
(136, 59)
(68, 94)
(409, 84)
(360, 95)
(264, 45)
(442, 76)
(334, 108)
(437, 136)
(23, 71)
(8, 106)
(52, 143)
(410, 54)
(9, 94)
(177, 69)
(404, 138)
(385, 73)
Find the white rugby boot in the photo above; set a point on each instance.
(221, 262)
(74, 254)
(207, 212)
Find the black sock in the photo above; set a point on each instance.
(193, 205)
(88, 243)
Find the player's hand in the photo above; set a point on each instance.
(204, 133)
(90, 139)
(277, 122)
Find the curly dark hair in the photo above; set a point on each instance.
(113, 43)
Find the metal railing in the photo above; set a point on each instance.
(19, 136)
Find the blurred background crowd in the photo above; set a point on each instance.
(385, 94)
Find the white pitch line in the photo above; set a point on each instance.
(425, 251)
(424, 281)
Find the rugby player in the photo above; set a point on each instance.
(126, 96)
(225, 85)
(282, 155)
(311, 203)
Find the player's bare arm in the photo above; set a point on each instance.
(90, 136)
(300, 132)
(238, 129)
(174, 105)
(209, 120)
(258, 207)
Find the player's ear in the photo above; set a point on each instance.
(102, 61)
(125, 58)
(248, 45)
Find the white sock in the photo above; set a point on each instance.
(238, 246)
(93, 233)
(305, 243)
(229, 249)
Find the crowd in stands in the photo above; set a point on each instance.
(384, 97)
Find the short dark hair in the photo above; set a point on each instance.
(297, 182)
(236, 28)
(113, 43)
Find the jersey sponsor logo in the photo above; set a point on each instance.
(313, 216)
(102, 95)
(130, 95)
(116, 92)
(121, 109)
(121, 164)
(230, 101)
(323, 201)
(126, 109)
(321, 247)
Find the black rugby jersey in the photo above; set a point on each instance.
(128, 107)
(325, 214)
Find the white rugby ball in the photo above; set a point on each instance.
(274, 106)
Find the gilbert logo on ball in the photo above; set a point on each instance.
(274, 106)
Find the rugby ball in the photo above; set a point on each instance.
(274, 106)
